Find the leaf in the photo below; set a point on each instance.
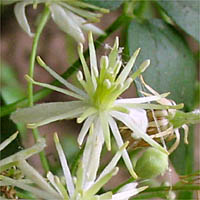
(11, 89)
(185, 14)
(172, 67)
(8, 128)
(111, 4)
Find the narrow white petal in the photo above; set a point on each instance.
(97, 145)
(33, 175)
(112, 164)
(8, 141)
(93, 58)
(41, 112)
(55, 88)
(63, 19)
(137, 131)
(106, 129)
(141, 99)
(100, 183)
(19, 10)
(33, 190)
(60, 78)
(125, 72)
(119, 141)
(24, 154)
(129, 192)
(84, 129)
(65, 167)
(87, 26)
(50, 177)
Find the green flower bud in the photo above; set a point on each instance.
(152, 163)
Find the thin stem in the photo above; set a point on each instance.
(173, 188)
(41, 25)
(43, 21)
(5, 110)
(163, 190)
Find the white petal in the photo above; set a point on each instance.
(136, 129)
(119, 141)
(85, 129)
(33, 190)
(8, 141)
(41, 112)
(87, 26)
(50, 177)
(21, 16)
(63, 19)
(65, 167)
(141, 99)
(33, 175)
(91, 154)
(24, 154)
(127, 191)
(125, 72)
(112, 164)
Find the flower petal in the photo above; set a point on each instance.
(136, 129)
(112, 164)
(66, 23)
(84, 129)
(21, 16)
(33, 175)
(41, 112)
(128, 191)
(65, 167)
(119, 141)
(141, 99)
(37, 192)
(24, 154)
(8, 141)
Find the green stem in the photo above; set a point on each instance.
(5, 110)
(162, 191)
(173, 188)
(39, 30)
(41, 25)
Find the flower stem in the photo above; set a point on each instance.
(43, 21)
(5, 110)
(162, 191)
(41, 25)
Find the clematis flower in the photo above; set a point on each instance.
(72, 17)
(98, 101)
(84, 186)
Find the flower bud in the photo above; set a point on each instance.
(152, 163)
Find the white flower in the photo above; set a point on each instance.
(71, 16)
(84, 186)
(97, 102)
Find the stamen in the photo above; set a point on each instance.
(63, 161)
(141, 69)
(175, 145)
(123, 75)
(93, 59)
(64, 91)
(186, 131)
(59, 78)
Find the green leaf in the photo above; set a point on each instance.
(172, 67)
(111, 4)
(8, 128)
(185, 14)
(11, 89)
